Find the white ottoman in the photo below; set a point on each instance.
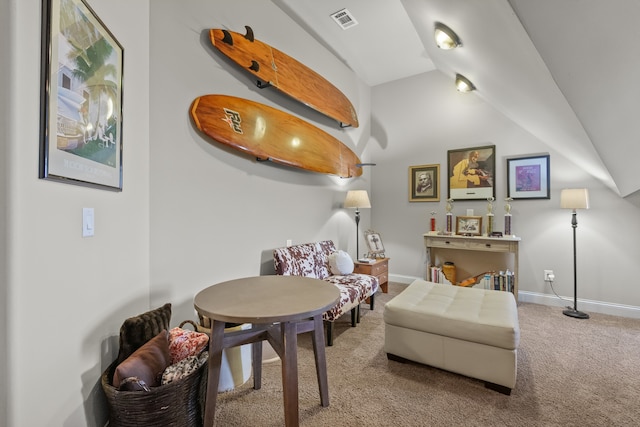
(473, 332)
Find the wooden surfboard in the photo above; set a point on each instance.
(283, 72)
(270, 134)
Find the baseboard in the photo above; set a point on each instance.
(588, 306)
(583, 304)
(402, 279)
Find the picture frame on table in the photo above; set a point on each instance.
(424, 183)
(81, 97)
(469, 225)
(470, 173)
(374, 243)
(529, 177)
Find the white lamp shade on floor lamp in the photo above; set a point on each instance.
(574, 198)
(357, 199)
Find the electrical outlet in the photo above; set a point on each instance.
(548, 275)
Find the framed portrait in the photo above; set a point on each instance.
(528, 177)
(470, 173)
(424, 183)
(374, 243)
(469, 225)
(81, 97)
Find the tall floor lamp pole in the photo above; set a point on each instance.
(575, 198)
(357, 233)
(357, 199)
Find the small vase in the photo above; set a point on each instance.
(449, 272)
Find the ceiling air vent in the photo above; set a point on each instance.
(344, 18)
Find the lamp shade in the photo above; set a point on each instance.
(357, 199)
(574, 198)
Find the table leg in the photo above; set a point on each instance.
(321, 360)
(215, 360)
(256, 364)
(289, 336)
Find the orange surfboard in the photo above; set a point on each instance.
(270, 134)
(283, 72)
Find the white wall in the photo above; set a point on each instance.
(5, 76)
(416, 120)
(67, 295)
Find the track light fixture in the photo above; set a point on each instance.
(445, 37)
(463, 84)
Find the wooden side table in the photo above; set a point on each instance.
(379, 269)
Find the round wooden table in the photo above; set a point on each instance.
(278, 308)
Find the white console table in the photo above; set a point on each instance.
(474, 255)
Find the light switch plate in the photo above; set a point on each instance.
(87, 222)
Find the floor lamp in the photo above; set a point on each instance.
(358, 199)
(574, 198)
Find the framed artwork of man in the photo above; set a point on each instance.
(424, 183)
(470, 173)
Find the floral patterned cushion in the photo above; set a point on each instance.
(184, 343)
(184, 368)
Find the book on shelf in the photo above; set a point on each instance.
(499, 281)
(437, 275)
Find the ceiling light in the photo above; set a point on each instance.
(463, 84)
(445, 37)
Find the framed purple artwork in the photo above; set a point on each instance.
(528, 177)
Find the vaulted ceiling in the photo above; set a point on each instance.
(564, 70)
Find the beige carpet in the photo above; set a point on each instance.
(570, 373)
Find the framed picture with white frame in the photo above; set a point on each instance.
(374, 243)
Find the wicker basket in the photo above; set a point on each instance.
(178, 404)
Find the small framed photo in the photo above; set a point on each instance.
(81, 97)
(469, 225)
(374, 243)
(424, 183)
(528, 177)
(470, 173)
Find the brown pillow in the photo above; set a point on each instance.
(135, 331)
(146, 364)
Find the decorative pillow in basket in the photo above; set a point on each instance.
(143, 388)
